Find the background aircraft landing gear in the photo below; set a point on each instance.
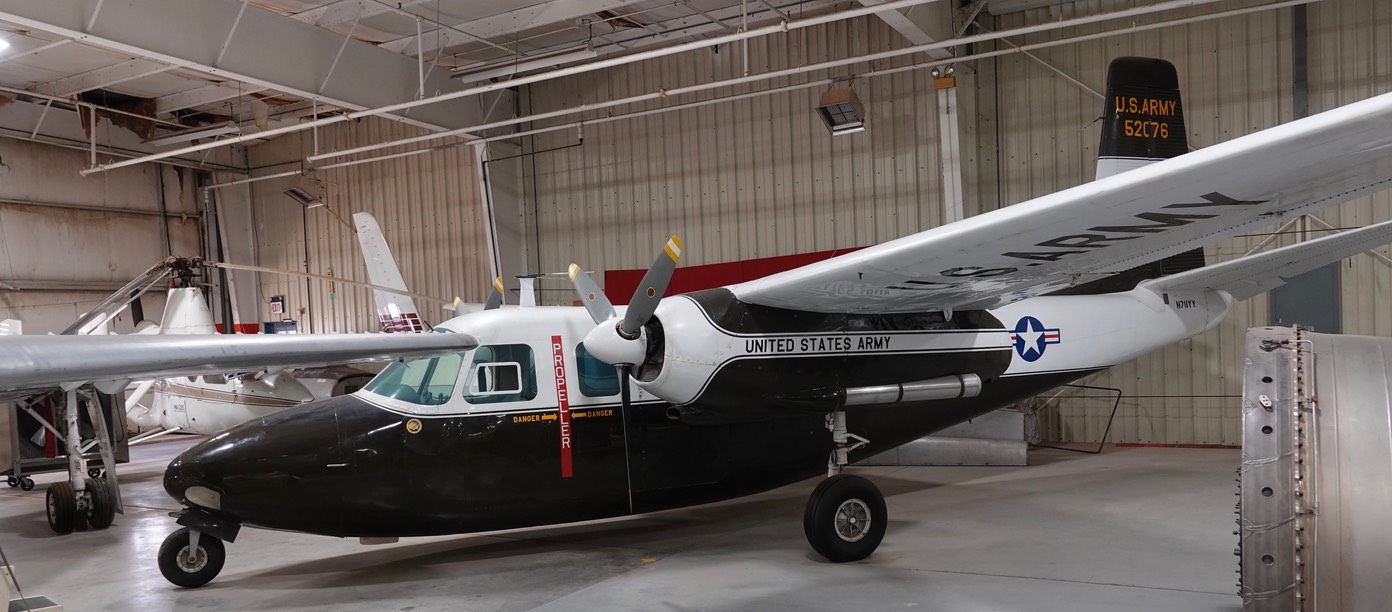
(845, 518)
(191, 559)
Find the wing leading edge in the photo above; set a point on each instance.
(41, 362)
(1097, 229)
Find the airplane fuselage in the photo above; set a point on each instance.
(525, 430)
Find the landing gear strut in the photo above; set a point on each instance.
(845, 518)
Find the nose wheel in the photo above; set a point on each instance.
(191, 559)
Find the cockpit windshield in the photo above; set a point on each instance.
(426, 382)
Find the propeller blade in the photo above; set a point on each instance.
(495, 298)
(654, 284)
(591, 296)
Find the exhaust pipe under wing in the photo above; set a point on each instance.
(954, 386)
(946, 387)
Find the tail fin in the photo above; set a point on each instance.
(1144, 120)
(396, 312)
(1143, 123)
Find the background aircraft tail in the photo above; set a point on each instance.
(397, 313)
(1248, 276)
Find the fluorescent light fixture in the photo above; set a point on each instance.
(4, 44)
(483, 73)
(308, 191)
(842, 111)
(207, 131)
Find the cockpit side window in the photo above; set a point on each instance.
(427, 382)
(597, 379)
(501, 373)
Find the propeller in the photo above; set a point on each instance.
(495, 297)
(620, 341)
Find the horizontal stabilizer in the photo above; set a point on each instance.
(1255, 274)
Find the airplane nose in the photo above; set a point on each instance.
(174, 481)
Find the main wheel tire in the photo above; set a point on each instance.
(61, 504)
(845, 518)
(103, 510)
(174, 563)
(26, 484)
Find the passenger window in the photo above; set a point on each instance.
(502, 373)
(597, 379)
(496, 379)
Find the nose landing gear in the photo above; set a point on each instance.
(845, 518)
(191, 559)
(194, 554)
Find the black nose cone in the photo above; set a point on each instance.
(174, 480)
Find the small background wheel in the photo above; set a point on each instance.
(12, 481)
(175, 565)
(845, 518)
(94, 472)
(61, 504)
(27, 483)
(103, 510)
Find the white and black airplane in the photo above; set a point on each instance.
(521, 420)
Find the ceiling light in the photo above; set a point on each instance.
(842, 111)
(4, 44)
(309, 192)
(209, 131)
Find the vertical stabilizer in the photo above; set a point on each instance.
(396, 312)
(1143, 120)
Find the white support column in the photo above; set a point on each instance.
(502, 200)
(950, 147)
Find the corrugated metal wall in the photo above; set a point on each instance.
(69, 241)
(428, 206)
(746, 179)
(761, 177)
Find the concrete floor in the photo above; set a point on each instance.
(1131, 529)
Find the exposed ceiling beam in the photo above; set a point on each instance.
(264, 49)
(344, 11)
(920, 25)
(503, 24)
(207, 94)
(105, 76)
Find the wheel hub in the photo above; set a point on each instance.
(852, 520)
(192, 566)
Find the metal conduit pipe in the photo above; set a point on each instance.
(553, 74)
(807, 85)
(955, 386)
(665, 93)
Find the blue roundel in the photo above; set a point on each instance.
(1031, 337)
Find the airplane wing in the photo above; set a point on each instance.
(1256, 274)
(44, 362)
(1100, 228)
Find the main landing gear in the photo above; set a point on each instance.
(845, 518)
(69, 509)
